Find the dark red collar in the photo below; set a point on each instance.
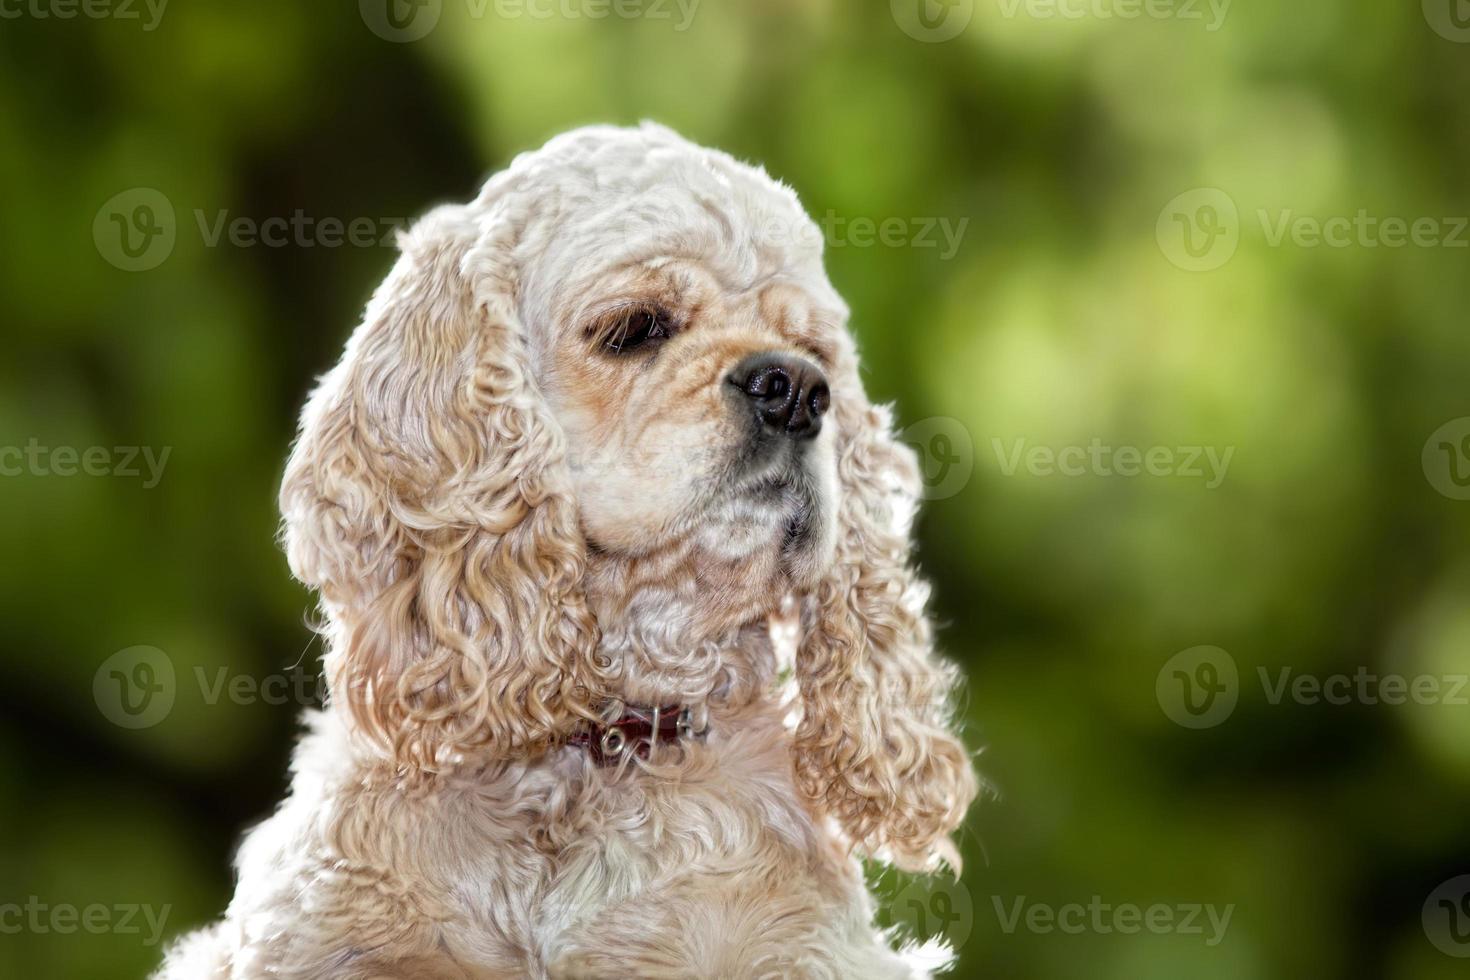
(637, 729)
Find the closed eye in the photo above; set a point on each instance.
(632, 327)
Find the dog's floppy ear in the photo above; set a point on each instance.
(874, 747)
(426, 498)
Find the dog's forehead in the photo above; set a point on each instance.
(599, 168)
(604, 199)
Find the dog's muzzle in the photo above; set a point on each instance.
(635, 730)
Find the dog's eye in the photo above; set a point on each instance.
(636, 327)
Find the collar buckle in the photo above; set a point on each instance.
(637, 730)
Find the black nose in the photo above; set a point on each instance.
(790, 394)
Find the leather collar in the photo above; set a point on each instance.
(634, 729)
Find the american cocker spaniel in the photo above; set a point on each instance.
(628, 663)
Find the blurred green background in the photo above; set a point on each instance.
(1084, 303)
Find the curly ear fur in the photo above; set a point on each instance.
(426, 499)
(874, 746)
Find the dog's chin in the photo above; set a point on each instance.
(722, 567)
(801, 532)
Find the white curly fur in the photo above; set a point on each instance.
(508, 523)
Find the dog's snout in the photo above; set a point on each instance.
(790, 394)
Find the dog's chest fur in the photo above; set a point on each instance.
(701, 864)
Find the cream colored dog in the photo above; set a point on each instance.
(597, 430)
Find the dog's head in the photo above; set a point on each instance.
(615, 396)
